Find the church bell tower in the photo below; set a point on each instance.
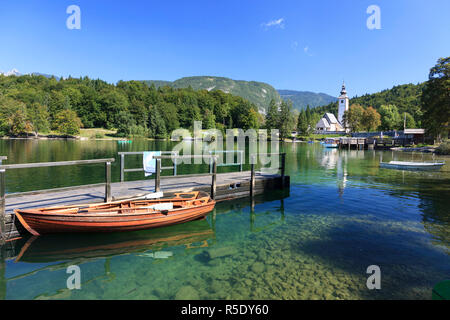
(343, 106)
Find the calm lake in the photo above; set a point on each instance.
(341, 215)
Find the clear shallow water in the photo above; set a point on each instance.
(341, 214)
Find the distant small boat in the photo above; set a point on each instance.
(310, 141)
(124, 141)
(330, 143)
(405, 165)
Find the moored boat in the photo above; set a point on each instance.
(330, 143)
(405, 165)
(127, 215)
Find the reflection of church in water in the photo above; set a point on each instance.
(334, 159)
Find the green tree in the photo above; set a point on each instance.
(18, 121)
(287, 119)
(67, 122)
(302, 123)
(353, 117)
(156, 125)
(125, 124)
(272, 116)
(371, 119)
(38, 115)
(410, 122)
(209, 119)
(436, 98)
(390, 118)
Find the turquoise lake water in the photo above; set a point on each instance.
(315, 241)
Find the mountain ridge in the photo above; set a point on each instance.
(301, 99)
(259, 93)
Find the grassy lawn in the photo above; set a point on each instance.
(98, 133)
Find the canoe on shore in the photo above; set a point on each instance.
(127, 215)
(405, 165)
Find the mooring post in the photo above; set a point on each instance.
(158, 176)
(122, 168)
(252, 176)
(175, 167)
(214, 178)
(283, 169)
(2, 208)
(241, 160)
(108, 197)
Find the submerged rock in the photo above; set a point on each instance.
(221, 252)
(258, 267)
(187, 293)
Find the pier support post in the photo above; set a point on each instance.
(2, 203)
(252, 176)
(214, 178)
(2, 208)
(175, 167)
(158, 176)
(122, 168)
(108, 197)
(283, 169)
(241, 160)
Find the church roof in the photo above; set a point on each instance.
(323, 123)
(331, 118)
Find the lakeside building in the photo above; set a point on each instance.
(329, 123)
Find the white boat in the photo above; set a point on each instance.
(330, 143)
(405, 165)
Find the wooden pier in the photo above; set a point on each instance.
(372, 143)
(221, 186)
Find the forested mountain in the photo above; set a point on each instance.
(258, 93)
(405, 97)
(302, 99)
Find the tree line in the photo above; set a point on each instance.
(425, 105)
(39, 104)
(32, 103)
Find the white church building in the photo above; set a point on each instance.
(329, 123)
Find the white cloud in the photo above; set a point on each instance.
(294, 45)
(279, 23)
(306, 50)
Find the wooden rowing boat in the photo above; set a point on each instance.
(127, 215)
(416, 166)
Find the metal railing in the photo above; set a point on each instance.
(213, 173)
(240, 159)
(3, 169)
(122, 163)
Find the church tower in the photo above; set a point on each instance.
(343, 105)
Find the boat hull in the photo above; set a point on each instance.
(413, 167)
(37, 222)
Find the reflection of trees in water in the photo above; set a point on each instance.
(436, 217)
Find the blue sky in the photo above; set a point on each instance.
(298, 45)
